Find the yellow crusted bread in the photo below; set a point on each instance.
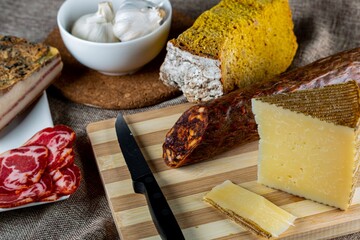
(234, 44)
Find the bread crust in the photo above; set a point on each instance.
(233, 45)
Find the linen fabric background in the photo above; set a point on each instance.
(322, 27)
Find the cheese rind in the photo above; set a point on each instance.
(307, 156)
(252, 211)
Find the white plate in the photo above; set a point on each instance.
(32, 120)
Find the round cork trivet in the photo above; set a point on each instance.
(141, 89)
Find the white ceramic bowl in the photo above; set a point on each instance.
(111, 58)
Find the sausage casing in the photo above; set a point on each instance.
(210, 128)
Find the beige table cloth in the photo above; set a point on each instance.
(323, 27)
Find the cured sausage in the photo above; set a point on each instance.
(210, 128)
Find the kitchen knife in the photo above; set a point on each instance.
(145, 183)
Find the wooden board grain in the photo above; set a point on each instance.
(185, 187)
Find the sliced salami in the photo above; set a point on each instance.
(60, 159)
(41, 170)
(67, 180)
(50, 198)
(14, 200)
(42, 189)
(56, 139)
(69, 160)
(22, 167)
(59, 135)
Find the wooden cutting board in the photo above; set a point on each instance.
(185, 187)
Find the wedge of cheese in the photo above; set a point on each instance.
(252, 211)
(309, 142)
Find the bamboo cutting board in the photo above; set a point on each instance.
(185, 187)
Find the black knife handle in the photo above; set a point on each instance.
(160, 210)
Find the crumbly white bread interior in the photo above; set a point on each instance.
(199, 78)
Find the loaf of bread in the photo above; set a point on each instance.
(234, 44)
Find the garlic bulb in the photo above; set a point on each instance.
(136, 18)
(96, 27)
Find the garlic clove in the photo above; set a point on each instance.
(102, 34)
(96, 27)
(106, 9)
(137, 18)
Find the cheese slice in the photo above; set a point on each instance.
(309, 142)
(250, 210)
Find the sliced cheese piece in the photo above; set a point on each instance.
(252, 211)
(309, 142)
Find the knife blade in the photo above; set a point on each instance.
(145, 183)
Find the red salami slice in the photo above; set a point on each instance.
(38, 190)
(67, 180)
(56, 139)
(69, 160)
(14, 200)
(56, 175)
(20, 168)
(66, 158)
(44, 188)
(59, 135)
(50, 198)
(42, 169)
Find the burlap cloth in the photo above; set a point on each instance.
(323, 27)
